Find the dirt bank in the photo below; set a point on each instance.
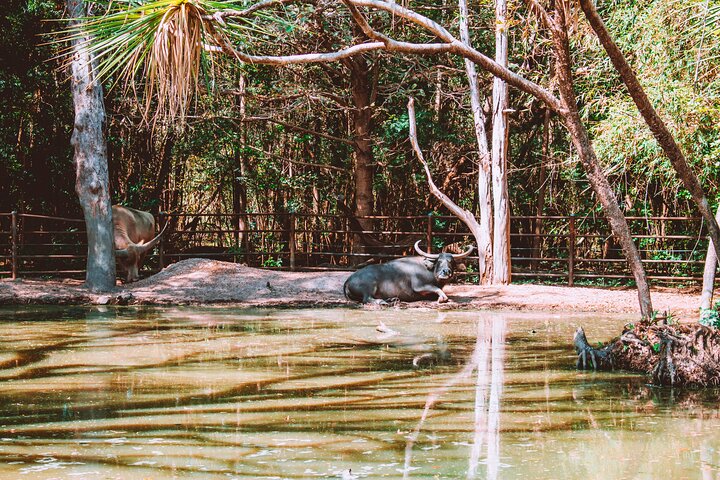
(200, 281)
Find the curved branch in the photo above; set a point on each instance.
(456, 46)
(302, 57)
(458, 211)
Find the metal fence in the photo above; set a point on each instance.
(559, 249)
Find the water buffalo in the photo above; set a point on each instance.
(133, 232)
(405, 279)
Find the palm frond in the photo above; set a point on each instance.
(161, 46)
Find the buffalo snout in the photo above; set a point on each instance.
(444, 268)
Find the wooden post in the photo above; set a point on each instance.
(161, 245)
(571, 252)
(429, 233)
(291, 242)
(235, 222)
(14, 233)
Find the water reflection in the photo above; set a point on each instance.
(487, 362)
(491, 330)
(220, 393)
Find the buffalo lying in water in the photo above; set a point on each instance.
(404, 279)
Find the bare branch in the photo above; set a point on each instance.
(459, 212)
(407, 14)
(364, 25)
(383, 42)
(303, 57)
(460, 48)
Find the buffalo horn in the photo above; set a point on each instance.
(151, 244)
(465, 253)
(432, 256)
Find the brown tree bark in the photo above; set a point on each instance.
(161, 180)
(593, 169)
(361, 85)
(91, 163)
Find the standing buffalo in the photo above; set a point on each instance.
(133, 232)
(405, 279)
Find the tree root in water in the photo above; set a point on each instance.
(676, 355)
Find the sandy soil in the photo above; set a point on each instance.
(201, 281)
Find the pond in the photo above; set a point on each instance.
(201, 393)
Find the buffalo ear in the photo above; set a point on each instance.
(429, 263)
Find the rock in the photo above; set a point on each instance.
(103, 300)
(124, 298)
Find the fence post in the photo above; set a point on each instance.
(161, 247)
(14, 252)
(428, 239)
(291, 242)
(571, 252)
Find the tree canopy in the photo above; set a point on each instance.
(283, 135)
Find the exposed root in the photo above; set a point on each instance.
(598, 359)
(675, 355)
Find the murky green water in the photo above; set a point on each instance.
(220, 393)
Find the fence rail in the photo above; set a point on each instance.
(567, 249)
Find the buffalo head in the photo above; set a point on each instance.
(442, 264)
(132, 255)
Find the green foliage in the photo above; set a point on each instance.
(273, 262)
(664, 52)
(710, 317)
(35, 114)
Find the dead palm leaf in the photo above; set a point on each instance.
(159, 47)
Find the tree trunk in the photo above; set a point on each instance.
(542, 179)
(709, 272)
(484, 237)
(91, 164)
(239, 180)
(361, 86)
(161, 180)
(592, 166)
(653, 120)
(501, 232)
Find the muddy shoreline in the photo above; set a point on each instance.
(210, 282)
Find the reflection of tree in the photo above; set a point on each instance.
(487, 419)
(487, 359)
